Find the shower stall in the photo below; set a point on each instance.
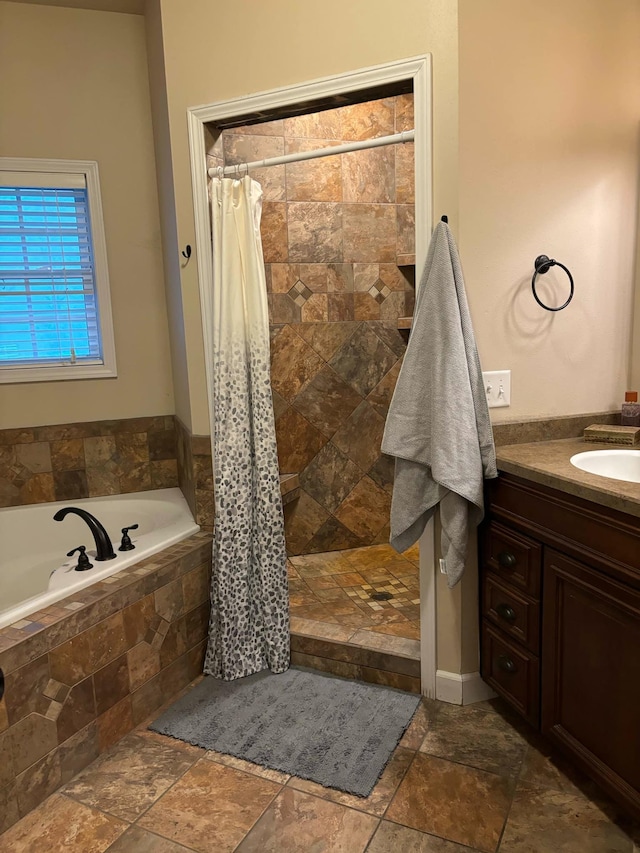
(338, 233)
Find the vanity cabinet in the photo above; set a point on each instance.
(560, 624)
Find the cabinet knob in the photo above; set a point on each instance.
(506, 612)
(506, 664)
(506, 559)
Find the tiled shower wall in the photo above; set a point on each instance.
(338, 242)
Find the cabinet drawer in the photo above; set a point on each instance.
(512, 612)
(515, 558)
(513, 672)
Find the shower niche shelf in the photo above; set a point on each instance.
(404, 323)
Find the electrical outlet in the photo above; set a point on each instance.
(497, 387)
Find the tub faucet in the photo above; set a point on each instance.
(104, 548)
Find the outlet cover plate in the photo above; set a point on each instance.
(497, 387)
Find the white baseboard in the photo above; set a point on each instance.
(461, 688)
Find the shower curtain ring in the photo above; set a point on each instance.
(220, 172)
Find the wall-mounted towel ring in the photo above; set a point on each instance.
(543, 264)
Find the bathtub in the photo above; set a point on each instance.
(35, 571)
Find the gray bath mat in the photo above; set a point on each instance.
(337, 732)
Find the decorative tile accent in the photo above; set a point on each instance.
(299, 293)
(379, 291)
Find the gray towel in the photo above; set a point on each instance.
(438, 426)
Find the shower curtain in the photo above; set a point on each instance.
(249, 627)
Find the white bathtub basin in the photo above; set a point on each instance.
(617, 464)
(34, 568)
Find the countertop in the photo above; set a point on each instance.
(547, 463)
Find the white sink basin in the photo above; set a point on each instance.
(617, 464)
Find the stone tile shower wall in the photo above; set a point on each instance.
(338, 242)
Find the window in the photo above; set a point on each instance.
(55, 313)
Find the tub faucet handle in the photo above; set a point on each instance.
(83, 560)
(127, 544)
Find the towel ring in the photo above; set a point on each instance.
(543, 264)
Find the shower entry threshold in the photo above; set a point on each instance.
(355, 613)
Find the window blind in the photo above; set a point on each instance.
(48, 304)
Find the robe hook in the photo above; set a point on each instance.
(186, 253)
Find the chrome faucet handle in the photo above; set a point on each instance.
(83, 560)
(127, 544)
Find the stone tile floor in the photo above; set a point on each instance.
(335, 588)
(462, 780)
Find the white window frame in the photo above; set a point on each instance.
(107, 367)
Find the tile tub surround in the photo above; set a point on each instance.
(462, 780)
(81, 674)
(90, 459)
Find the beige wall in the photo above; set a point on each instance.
(216, 52)
(549, 97)
(75, 86)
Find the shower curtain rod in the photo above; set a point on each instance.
(234, 171)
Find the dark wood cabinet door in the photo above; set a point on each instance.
(591, 673)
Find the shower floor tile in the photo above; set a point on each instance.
(372, 588)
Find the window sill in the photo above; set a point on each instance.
(17, 375)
